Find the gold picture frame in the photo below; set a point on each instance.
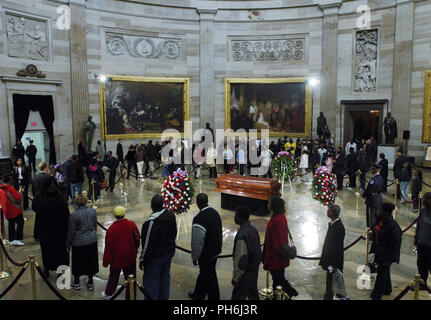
(307, 108)
(103, 108)
(426, 125)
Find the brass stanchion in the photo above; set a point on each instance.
(93, 193)
(396, 198)
(279, 293)
(367, 244)
(3, 273)
(421, 195)
(417, 284)
(33, 276)
(267, 292)
(131, 283)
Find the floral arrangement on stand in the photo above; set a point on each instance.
(324, 186)
(177, 192)
(284, 161)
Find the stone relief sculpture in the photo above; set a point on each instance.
(366, 60)
(267, 50)
(142, 47)
(26, 38)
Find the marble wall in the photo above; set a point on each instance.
(202, 40)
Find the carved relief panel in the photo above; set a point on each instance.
(139, 46)
(366, 54)
(27, 37)
(285, 49)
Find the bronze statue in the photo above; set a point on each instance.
(322, 127)
(89, 127)
(390, 129)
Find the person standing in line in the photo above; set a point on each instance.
(31, 152)
(329, 162)
(384, 172)
(151, 156)
(339, 168)
(247, 256)
(131, 161)
(211, 160)
(206, 246)
(166, 160)
(416, 189)
(94, 172)
(82, 154)
(422, 240)
(314, 159)
(405, 178)
(352, 168)
(21, 179)
(322, 152)
(122, 241)
(75, 176)
(140, 163)
(11, 206)
(158, 236)
(82, 238)
(386, 247)
(37, 181)
(303, 164)
(398, 168)
(332, 257)
(51, 225)
(112, 164)
(350, 144)
(100, 152)
(276, 234)
(120, 152)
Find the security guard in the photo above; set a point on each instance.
(373, 195)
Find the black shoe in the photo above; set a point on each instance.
(375, 296)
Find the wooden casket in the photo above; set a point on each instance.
(251, 192)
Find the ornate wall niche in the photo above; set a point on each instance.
(27, 37)
(366, 51)
(142, 46)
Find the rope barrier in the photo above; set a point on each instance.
(405, 198)
(144, 292)
(9, 257)
(102, 226)
(50, 286)
(403, 293)
(116, 294)
(412, 224)
(13, 283)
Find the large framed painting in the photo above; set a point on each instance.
(143, 107)
(281, 105)
(426, 126)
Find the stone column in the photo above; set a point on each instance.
(403, 54)
(328, 97)
(78, 68)
(206, 54)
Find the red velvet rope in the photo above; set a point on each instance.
(9, 257)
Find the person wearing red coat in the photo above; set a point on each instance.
(11, 204)
(277, 234)
(121, 248)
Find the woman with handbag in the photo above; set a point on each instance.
(276, 249)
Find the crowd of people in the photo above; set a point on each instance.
(71, 237)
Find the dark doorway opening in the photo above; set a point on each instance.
(22, 105)
(363, 119)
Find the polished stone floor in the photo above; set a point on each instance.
(307, 220)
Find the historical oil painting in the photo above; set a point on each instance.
(281, 105)
(135, 107)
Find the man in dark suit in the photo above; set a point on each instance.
(21, 179)
(40, 177)
(384, 172)
(206, 246)
(112, 164)
(373, 195)
(332, 257)
(31, 152)
(120, 153)
(352, 167)
(18, 151)
(339, 168)
(386, 247)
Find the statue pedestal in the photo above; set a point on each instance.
(390, 152)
